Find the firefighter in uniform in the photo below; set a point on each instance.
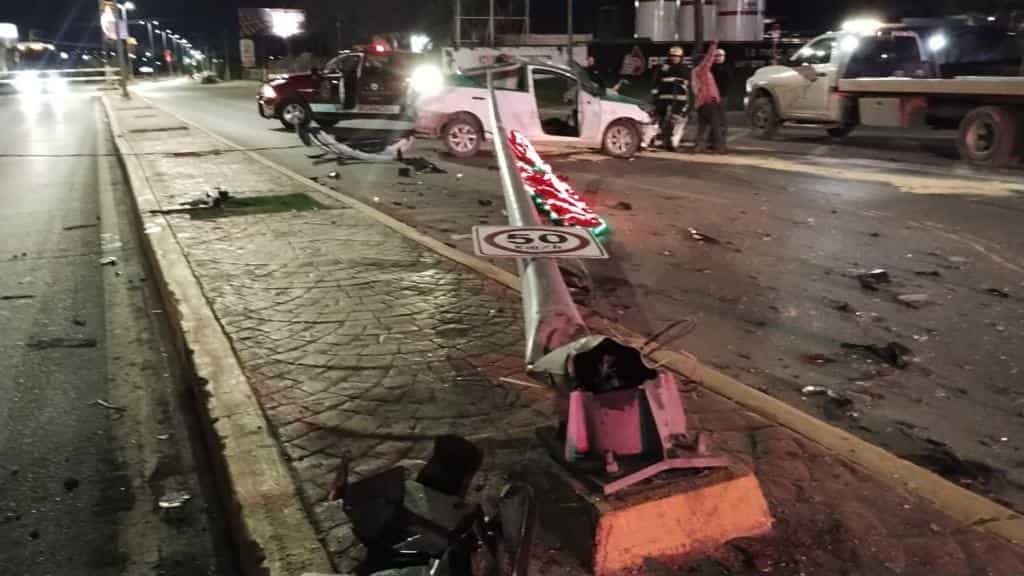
(672, 96)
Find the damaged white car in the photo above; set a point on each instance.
(549, 103)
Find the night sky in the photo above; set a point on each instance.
(208, 20)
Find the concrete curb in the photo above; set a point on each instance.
(964, 506)
(269, 524)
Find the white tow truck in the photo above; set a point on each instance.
(946, 76)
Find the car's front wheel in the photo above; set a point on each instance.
(462, 135)
(294, 114)
(621, 139)
(764, 119)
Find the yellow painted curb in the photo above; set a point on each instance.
(962, 505)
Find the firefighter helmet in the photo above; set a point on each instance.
(676, 51)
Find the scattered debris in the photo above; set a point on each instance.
(422, 166)
(838, 407)
(814, 391)
(108, 261)
(842, 306)
(818, 359)
(151, 229)
(458, 176)
(892, 353)
(60, 342)
(932, 273)
(997, 292)
(17, 296)
(485, 202)
(515, 382)
(80, 226)
(702, 237)
(34, 534)
(174, 500)
(334, 175)
(163, 436)
(875, 235)
(461, 236)
(71, 483)
(110, 406)
(405, 172)
(196, 153)
(913, 300)
(376, 199)
(873, 279)
(622, 205)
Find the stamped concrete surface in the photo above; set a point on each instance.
(358, 341)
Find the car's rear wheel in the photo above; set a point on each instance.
(294, 114)
(841, 131)
(621, 139)
(988, 136)
(462, 135)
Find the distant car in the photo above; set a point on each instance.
(548, 103)
(354, 84)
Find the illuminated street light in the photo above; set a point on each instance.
(286, 23)
(128, 5)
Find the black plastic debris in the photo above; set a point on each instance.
(422, 166)
(622, 205)
(892, 353)
(485, 202)
(452, 466)
(873, 279)
(405, 172)
(997, 292)
(931, 273)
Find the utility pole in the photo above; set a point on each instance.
(569, 40)
(698, 25)
(122, 52)
(227, 58)
(149, 31)
(457, 24)
(490, 25)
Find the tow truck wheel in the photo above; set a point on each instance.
(294, 114)
(462, 135)
(764, 119)
(621, 139)
(988, 136)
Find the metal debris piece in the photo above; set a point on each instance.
(163, 436)
(818, 359)
(334, 175)
(485, 202)
(110, 406)
(80, 226)
(702, 237)
(174, 500)
(814, 391)
(913, 300)
(461, 236)
(873, 279)
(108, 261)
(932, 273)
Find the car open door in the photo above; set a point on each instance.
(338, 89)
(556, 97)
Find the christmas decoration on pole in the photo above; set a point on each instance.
(553, 196)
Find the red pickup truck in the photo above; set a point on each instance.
(353, 84)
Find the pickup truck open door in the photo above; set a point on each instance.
(817, 65)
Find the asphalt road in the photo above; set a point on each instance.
(95, 425)
(772, 296)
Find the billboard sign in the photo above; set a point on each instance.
(247, 51)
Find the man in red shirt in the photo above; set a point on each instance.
(709, 104)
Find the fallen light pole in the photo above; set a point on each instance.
(625, 424)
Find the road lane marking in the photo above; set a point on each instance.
(907, 183)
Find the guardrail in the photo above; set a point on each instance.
(77, 75)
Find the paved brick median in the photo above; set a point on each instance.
(357, 340)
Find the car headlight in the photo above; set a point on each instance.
(750, 85)
(267, 91)
(427, 80)
(28, 83)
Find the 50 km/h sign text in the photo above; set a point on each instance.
(550, 242)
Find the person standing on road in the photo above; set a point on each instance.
(593, 72)
(672, 93)
(709, 104)
(723, 79)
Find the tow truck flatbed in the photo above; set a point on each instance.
(959, 85)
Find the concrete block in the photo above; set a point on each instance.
(674, 521)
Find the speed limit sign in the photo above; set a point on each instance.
(541, 241)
